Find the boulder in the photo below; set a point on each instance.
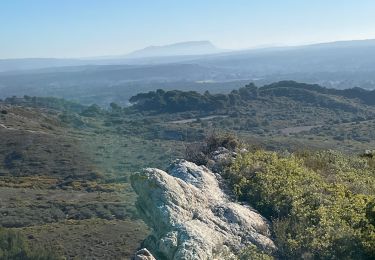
(192, 218)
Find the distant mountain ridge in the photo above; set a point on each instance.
(176, 49)
(322, 57)
(345, 64)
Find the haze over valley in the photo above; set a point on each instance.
(197, 66)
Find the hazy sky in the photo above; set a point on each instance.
(79, 28)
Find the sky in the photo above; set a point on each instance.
(84, 28)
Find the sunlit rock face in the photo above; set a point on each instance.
(192, 218)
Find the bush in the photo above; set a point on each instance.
(320, 204)
(253, 253)
(200, 153)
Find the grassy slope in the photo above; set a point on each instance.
(53, 188)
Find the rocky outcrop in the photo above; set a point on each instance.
(192, 218)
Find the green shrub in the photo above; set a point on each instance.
(320, 204)
(253, 253)
(200, 153)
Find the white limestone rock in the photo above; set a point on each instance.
(192, 218)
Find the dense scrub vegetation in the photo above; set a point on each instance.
(266, 111)
(365, 96)
(321, 204)
(179, 101)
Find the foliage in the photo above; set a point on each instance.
(178, 101)
(253, 253)
(200, 153)
(287, 91)
(321, 203)
(92, 111)
(71, 119)
(13, 246)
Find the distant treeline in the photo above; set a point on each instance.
(173, 101)
(365, 96)
(180, 101)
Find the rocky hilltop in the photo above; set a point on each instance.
(192, 218)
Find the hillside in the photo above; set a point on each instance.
(354, 103)
(66, 166)
(56, 192)
(280, 115)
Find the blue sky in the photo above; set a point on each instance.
(80, 28)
